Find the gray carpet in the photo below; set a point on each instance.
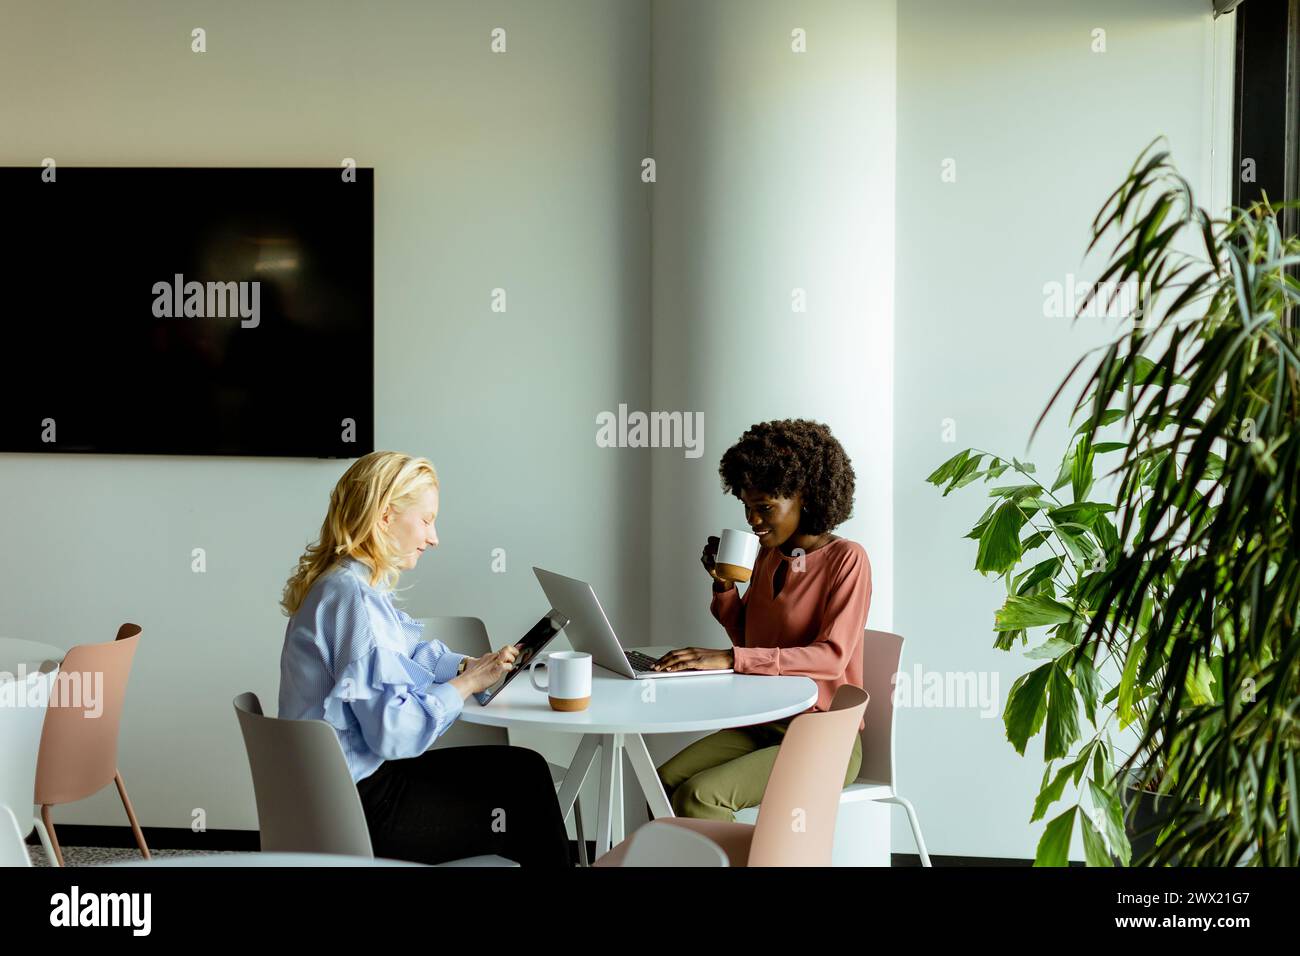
(95, 855)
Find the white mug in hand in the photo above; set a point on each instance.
(568, 679)
(737, 552)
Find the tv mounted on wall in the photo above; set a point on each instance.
(188, 311)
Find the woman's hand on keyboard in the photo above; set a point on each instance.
(697, 659)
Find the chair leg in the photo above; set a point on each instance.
(130, 815)
(50, 856)
(582, 837)
(915, 825)
(48, 834)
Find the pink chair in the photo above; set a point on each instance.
(78, 755)
(796, 821)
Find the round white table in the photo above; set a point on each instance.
(29, 654)
(622, 710)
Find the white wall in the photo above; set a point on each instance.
(1042, 130)
(775, 171)
(517, 170)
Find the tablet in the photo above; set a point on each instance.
(530, 645)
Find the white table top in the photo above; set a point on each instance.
(680, 704)
(30, 654)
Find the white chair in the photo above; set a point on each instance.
(882, 654)
(306, 800)
(20, 746)
(468, 635)
(13, 849)
(662, 844)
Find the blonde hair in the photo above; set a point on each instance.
(374, 483)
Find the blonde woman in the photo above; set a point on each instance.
(354, 659)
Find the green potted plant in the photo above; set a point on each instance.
(1048, 546)
(1171, 604)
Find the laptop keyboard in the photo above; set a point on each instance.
(639, 661)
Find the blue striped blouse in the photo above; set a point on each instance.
(355, 660)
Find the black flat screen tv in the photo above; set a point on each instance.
(187, 311)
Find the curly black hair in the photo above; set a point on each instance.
(790, 455)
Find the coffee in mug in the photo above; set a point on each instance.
(568, 679)
(737, 552)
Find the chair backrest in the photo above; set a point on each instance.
(796, 820)
(79, 744)
(13, 851)
(306, 800)
(20, 738)
(464, 635)
(663, 844)
(882, 655)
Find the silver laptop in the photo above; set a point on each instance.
(589, 629)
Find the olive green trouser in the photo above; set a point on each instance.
(728, 770)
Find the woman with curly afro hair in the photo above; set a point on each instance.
(803, 612)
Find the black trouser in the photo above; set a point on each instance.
(466, 801)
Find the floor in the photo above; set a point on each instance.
(94, 855)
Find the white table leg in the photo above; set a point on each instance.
(647, 776)
(578, 769)
(604, 824)
(617, 795)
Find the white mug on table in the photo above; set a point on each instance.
(568, 679)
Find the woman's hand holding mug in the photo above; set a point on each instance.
(729, 559)
(709, 558)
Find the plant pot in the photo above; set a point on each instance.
(1143, 822)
